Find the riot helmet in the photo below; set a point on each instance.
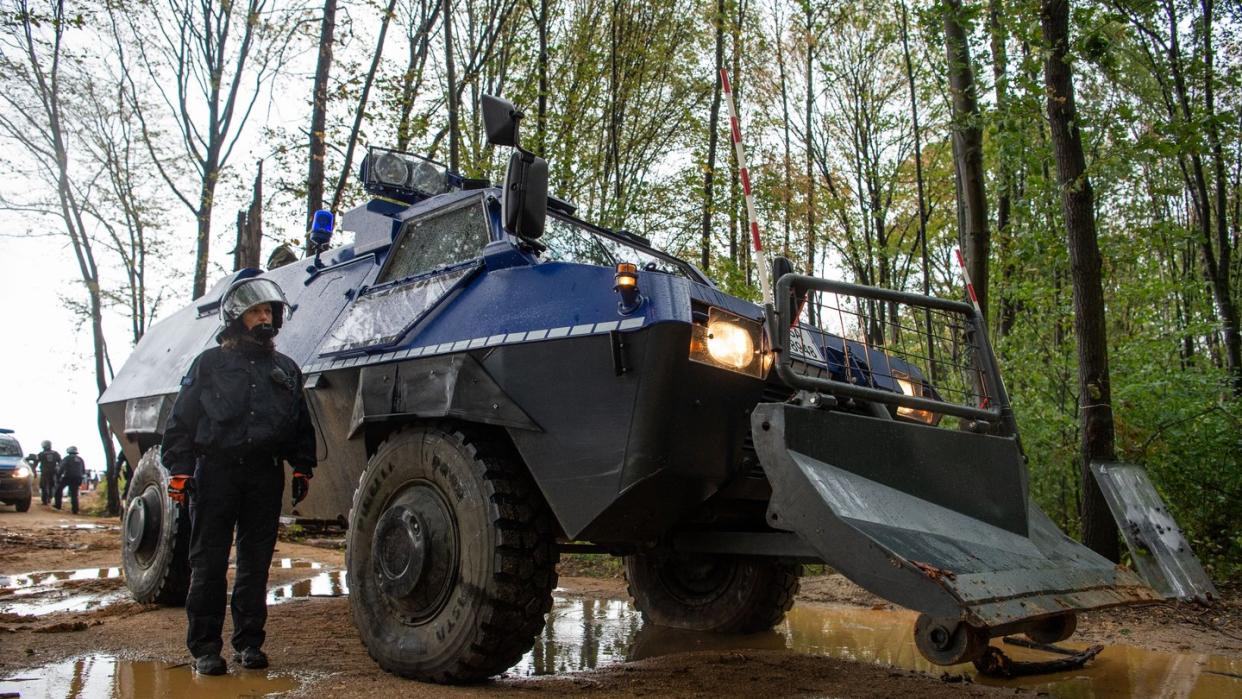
(72, 450)
(248, 293)
(47, 444)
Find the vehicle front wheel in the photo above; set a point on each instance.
(451, 557)
(23, 505)
(155, 537)
(719, 594)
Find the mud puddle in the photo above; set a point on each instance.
(49, 592)
(328, 584)
(583, 634)
(107, 677)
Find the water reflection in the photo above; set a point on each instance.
(330, 584)
(106, 677)
(583, 634)
(30, 594)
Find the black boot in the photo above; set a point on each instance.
(210, 664)
(251, 658)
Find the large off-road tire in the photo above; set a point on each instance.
(23, 505)
(719, 594)
(451, 556)
(155, 537)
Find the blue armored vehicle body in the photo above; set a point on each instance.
(494, 381)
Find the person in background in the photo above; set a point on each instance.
(49, 462)
(239, 413)
(72, 471)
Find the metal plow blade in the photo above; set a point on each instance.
(935, 520)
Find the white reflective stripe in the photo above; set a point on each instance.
(606, 327)
(631, 323)
(515, 337)
(558, 332)
(460, 345)
(495, 340)
(476, 342)
(536, 335)
(581, 329)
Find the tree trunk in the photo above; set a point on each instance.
(810, 148)
(362, 108)
(969, 140)
(250, 228)
(1078, 207)
(713, 137)
(203, 247)
(319, 116)
(1221, 287)
(918, 179)
(541, 121)
(1000, 77)
(451, 75)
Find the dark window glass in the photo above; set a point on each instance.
(438, 241)
(567, 241)
(10, 447)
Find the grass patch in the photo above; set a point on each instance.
(589, 565)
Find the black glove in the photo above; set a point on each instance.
(301, 486)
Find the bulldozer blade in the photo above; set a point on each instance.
(1160, 552)
(935, 520)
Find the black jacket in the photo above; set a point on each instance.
(240, 401)
(48, 460)
(72, 469)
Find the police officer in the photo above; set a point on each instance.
(240, 412)
(72, 471)
(49, 462)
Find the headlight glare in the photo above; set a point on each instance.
(730, 342)
(21, 472)
(910, 387)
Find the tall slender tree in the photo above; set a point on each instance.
(1078, 208)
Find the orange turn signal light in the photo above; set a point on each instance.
(627, 276)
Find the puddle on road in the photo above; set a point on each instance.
(583, 634)
(294, 563)
(106, 677)
(49, 592)
(330, 584)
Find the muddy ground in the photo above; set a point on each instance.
(313, 637)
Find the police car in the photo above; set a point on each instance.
(16, 475)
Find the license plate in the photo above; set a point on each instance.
(803, 345)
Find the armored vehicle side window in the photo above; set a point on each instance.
(442, 239)
(568, 241)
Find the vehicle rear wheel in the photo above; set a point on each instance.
(23, 505)
(155, 537)
(451, 557)
(720, 594)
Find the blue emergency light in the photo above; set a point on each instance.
(321, 228)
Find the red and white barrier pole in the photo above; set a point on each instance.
(765, 267)
(970, 287)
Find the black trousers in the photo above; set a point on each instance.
(73, 493)
(47, 485)
(231, 494)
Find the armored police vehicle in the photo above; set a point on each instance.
(494, 381)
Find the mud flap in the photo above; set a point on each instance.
(932, 519)
(1160, 552)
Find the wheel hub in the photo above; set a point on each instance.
(414, 552)
(143, 520)
(400, 550)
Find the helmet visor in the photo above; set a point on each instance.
(250, 293)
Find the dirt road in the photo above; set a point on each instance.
(590, 646)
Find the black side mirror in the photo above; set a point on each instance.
(525, 201)
(500, 120)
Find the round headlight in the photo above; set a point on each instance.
(21, 472)
(730, 344)
(391, 170)
(427, 178)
